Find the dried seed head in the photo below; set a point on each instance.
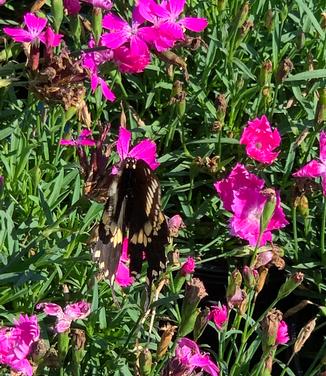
(168, 332)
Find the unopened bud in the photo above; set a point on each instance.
(269, 208)
(78, 344)
(300, 40)
(97, 23)
(303, 205)
(284, 12)
(263, 272)
(63, 345)
(266, 73)
(243, 14)
(145, 362)
(57, 12)
(269, 20)
(269, 328)
(290, 284)
(221, 106)
(250, 277)
(321, 107)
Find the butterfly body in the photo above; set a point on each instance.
(133, 210)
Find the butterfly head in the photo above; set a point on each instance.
(130, 163)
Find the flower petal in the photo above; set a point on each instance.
(34, 24)
(145, 150)
(194, 23)
(322, 146)
(123, 143)
(310, 170)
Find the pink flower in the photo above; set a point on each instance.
(261, 140)
(102, 4)
(123, 276)
(82, 140)
(282, 336)
(167, 27)
(72, 6)
(188, 357)
(316, 168)
(91, 62)
(134, 56)
(50, 38)
(188, 267)
(2, 2)
(219, 314)
(145, 150)
(174, 224)
(16, 344)
(72, 312)
(35, 25)
(242, 194)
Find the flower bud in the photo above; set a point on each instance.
(263, 271)
(145, 362)
(265, 75)
(234, 283)
(40, 348)
(78, 344)
(303, 335)
(269, 20)
(76, 28)
(97, 23)
(321, 107)
(195, 292)
(242, 15)
(57, 12)
(284, 12)
(300, 40)
(168, 333)
(201, 322)
(63, 345)
(179, 97)
(290, 284)
(250, 277)
(175, 223)
(221, 107)
(187, 268)
(303, 205)
(269, 208)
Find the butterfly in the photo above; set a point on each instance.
(133, 210)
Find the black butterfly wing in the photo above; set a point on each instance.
(148, 232)
(133, 209)
(111, 230)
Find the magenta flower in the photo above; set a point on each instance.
(16, 344)
(72, 312)
(167, 27)
(242, 194)
(219, 314)
(84, 139)
(316, 168)
(188, 357)
(261, 140)
(2, 2)
(188, 267)
(145, 150)
(282, 336)
(123, 276)
(134, 56)
(91, 62)
(72, 6)
(50, 38)
(35, 26)
(102, 4)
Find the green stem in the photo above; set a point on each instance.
(322, 235)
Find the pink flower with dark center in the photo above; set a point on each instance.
(35, 26)
(84, 139)
(282, 336)
(261, 140)
(16, 344)
(167, 27)
(145, 150)
(316, 168)
(188, 267)
(72, 312)
(242, 194)
(72, 6)
(123, 276)
(219, 314)
(188, 357)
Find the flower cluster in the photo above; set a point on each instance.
(16, 344)
(72, 312)
(188, 357)
(242, 194)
